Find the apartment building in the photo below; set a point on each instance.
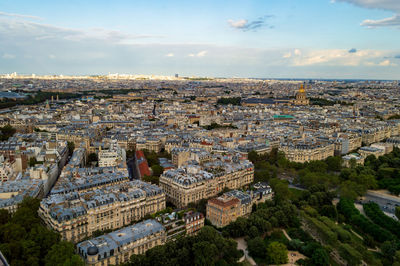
(191, 183)
(307, 151)
(76, 215)
(117, 247)
(225, 209)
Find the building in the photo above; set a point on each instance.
(301, 97)
(194, 221)
(225, 209)
(366, 151)
(76, 215)
(117, 247)
(307, 151)
(112, 157)
(191, 184)
(13, 192)
(141, 164)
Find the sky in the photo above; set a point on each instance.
(339, 39)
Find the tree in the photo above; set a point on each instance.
(92, 157)
(157, 170)
(253, 232)
(6, 132)
(4, 216)
(320, 257)
(277, 253)
(253, 156)
(256, 247)
(32, 161)
(397, 212)
(61, 254)
(334, 163)
(204, 253)
(71, 147)
(388, 249)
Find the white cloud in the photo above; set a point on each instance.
(391, 21)
(51, 56)
(4, 14)
(390, 5)
(253, 25)
(297, 52)
(239, 24)
(383, 63)
(337, 57)
(170, 55)
(8, 56)
(199, 54)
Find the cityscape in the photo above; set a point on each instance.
(149, 145)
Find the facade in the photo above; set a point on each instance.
(112, 157)
(191, 184)
(194, 221)
(304, 152)
(117, 247)
(301, 97)
(76, 215)
(366, 151)
(13, 192)
(225, 209)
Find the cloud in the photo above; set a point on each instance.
(339, 57)
(391, 5)
(170, 55)
(388, 5)
(4, 14)
(386, 22)
(353, 50)
(39, 31)
(199, 54)
(8, 56)
(254, 25)
(384, 63)
(99, 51)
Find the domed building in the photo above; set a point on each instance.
(301, 97)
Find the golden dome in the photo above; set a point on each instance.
(301, 90)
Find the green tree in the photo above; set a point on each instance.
(253, 156)
(4, 216)
(388, 249)
(32, 161)
(397, 212)
(157, 170)
(204, 253)
(320, 257)
(6, 132)
(71, 147)
(256, 247)
(277, 253)
(62, 254)
(334, 163)
(92, 157)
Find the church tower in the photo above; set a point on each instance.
(301, 97)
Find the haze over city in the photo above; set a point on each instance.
(354, 39)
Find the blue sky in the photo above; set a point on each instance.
(236, 38)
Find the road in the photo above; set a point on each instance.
(387, 203)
